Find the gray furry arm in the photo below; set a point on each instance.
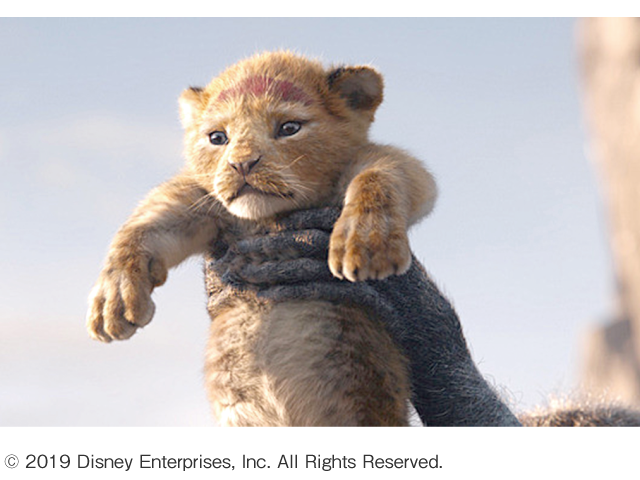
(447, 387)
(290, 262)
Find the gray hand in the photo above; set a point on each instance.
(289, 262)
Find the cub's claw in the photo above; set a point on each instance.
(369, 245)
(119, 304)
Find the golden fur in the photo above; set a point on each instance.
(272, 134)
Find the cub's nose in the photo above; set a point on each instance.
(244, 167)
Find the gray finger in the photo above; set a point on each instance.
(321, 218)
(305, 243)
(285, 272)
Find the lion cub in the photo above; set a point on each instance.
(272, 134)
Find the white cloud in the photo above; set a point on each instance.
(136, 140)
(95, 160)
(59, 173)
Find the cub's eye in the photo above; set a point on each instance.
(289, 128)
(218, 138)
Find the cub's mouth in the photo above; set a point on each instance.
(248, 189)
(260, 198)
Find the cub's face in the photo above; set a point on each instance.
(275, 132)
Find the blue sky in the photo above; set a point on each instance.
(89, 124)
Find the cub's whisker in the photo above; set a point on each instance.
(201, 202)
(293, 162)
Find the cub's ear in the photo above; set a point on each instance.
(361, 87)
(191, 103)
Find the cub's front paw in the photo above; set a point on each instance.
(368, 244)
(120, 302)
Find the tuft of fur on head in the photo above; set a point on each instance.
(566, 412)
(259, 172)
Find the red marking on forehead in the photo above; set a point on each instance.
(258, 85)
